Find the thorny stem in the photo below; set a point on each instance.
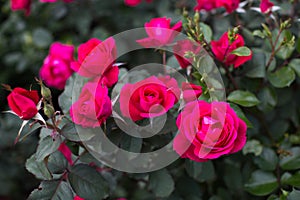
(274, 50)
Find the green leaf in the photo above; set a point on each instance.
(207, 32)
(261, 183)
(69, 131)
(241, 114)
(295, 65)
(291, 179)
(57, 163)
(267, 160)
(255, 68)
(242, 51)
(52, 190)
(253, 146)
(286, 50)
(38, 169)
(294, 195)
(161, 183)
(200, 171)
(42, 38)
(131, 144)
(282, 77)
(243, 98)
(258, 33)
(292, 161)
(268, 99)
(46, 146)
(88, 183)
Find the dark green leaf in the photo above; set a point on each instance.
(294, 195)
(87, 182)
(207, 32)
(38, 169)
(57, 163)
(242, 51)
(261, 183)
(243, 98)
(241, 114)
(282, 77)
(253, 146)
(52, 190)
(292, 161)
(267, 160)
(268, 99)
(200, 171)
(161, 183)
(295, 65)
(47, 146)
(42, 37)
(256, 67)
(291, 179)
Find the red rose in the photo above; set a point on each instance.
(190, 91)
(78, 198)
(23, 102)
(160, 32)
(96, 58)
(266, 6)
(21, 5)
(229, 5)
(208, 131)
(148, 98)
(134, 2)
(223, 48)
(206, 5)
(92, 107)
(181, 48)
(57, 65)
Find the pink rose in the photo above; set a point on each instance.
(229, 5)
(181, 48)
(266, 6)
(96, 58)
(191, 92)
(223, 48)
(23, 102)
(208, 131)
(148, 98)
(92, 107)
(57, 65)
(78, 198)
(134, 2)
(206, 5)
(21, 5)
(160, 32)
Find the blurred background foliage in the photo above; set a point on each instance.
(24, 43)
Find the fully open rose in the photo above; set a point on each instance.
(151, 97)
(23, 102)
(21, 5)
(92, 107)
(208, 131)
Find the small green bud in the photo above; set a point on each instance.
(185, 13)
(286, 24)
(197, 17)
(49, 110)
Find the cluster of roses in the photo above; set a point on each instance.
(208, 5)
(206, 130)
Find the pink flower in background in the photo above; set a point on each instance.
(57, 65)
(208, 131)
(78, 198)
(206, 5)
(223, 48)
(266, 6)
(160, 32)
(96, 58)
(190, 91)
(52, 1)
(148, 98)
(181, 48)
(134, 2)
(23, 102)
(92, 107)
(64, 149)
(21, 5)
(229, 5)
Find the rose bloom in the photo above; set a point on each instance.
(93, 106)
(78, 198)
(181, 48)
(206, 5)
(21, 5)
(160, 32)
(223, 48)
(266, 6)
(148, 98)
(96, 58)
(23, 102)
(208, 131)
(190, 92)
(134, 2)
(57, 65)
(229, 5)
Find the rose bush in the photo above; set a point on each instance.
(224, 99)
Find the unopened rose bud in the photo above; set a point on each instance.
(49, 110)
(46, 92)
(197, 17)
